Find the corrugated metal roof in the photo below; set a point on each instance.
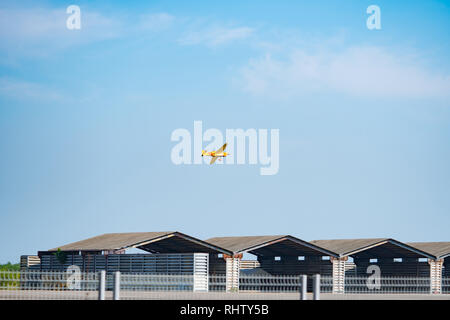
(269, 245)
(111, 241)
(171, 241)
(374, 247)
(155, 242)
(344, 246)
(438, 249)
(238, 244)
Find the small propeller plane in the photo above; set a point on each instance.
(216, 154)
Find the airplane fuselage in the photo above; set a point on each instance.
(215, 154)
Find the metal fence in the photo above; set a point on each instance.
(269, 283)
(54, 281)
(382, 285)
(387, 285)
(48, 285)
(326, 284)
(258, 283)
(66, 285)
(217, 283)
(155, 286)
(156, 282)
(446, 285)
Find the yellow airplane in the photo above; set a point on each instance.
(216, 154)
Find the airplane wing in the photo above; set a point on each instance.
(213, 160)
(222, 149)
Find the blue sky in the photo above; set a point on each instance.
(86, 118)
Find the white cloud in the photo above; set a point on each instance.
(24, 90)
(38, 31)
(216, 35)
(358, 71)
(156, 21)
(42, 31)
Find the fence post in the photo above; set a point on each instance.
(116, 292)
(232, 272)
(303, 287)
(102, 285)
(436, 275)
(338, 274)
(201, 272)
(316, 287)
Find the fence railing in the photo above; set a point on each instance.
(66, 285)
(446, 285)
(258, 283)
(156, 282)
(383, 285)
(326, 284)
(269, 283)
(217, 283)
(47, 280)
